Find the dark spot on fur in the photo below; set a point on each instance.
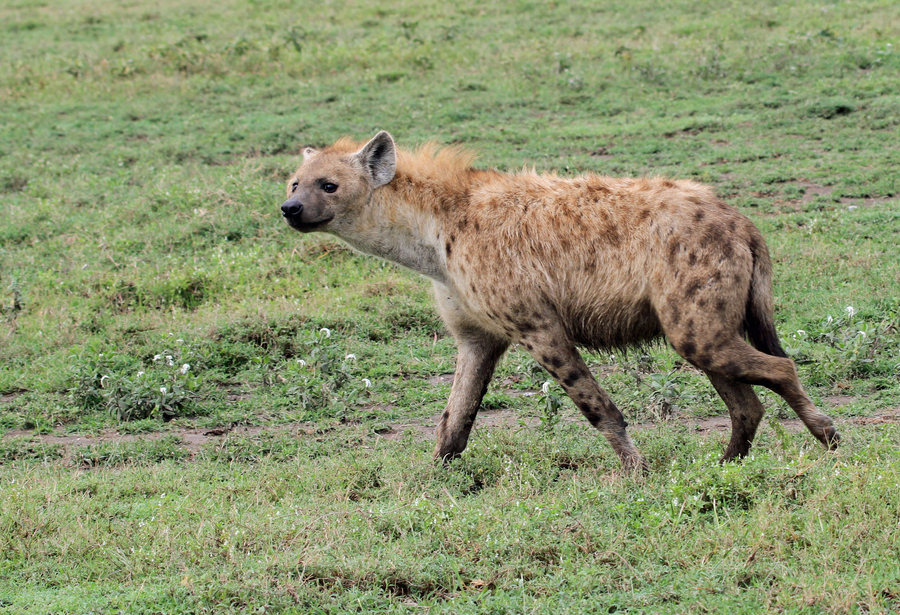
(553, 373)
(668, 183)
(449, 249)
(732, 226)
(526, 326)
(692, 289)
(643, 215)
(713, 234)
(692, 259)
(727, 249)
(572, 378)
(688, 349)
(596, 190)
(731, 369)
(698, 216)
(452, 237)
(674, 314)
(463, 223)
(477, 226)
(528, 346)
(701, 302)
(701, 360)
(673, 251)
(694, 200)
(445, 415)
(613, 236)
(556, 362)
(721, 304)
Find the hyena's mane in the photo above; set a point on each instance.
(444, 164)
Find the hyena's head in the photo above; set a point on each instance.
(333, 185)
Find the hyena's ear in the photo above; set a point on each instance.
(379, 156)
(309, 153)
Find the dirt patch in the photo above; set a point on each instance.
(813, 191)
(11, 395)
(836, 401)
(195, 439)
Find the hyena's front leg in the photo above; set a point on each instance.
(475, 363)
(558, 355)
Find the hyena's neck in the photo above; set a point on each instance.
(402, 224)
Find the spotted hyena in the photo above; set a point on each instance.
(556, 263)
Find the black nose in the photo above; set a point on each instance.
(291, 208)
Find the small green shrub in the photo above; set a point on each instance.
(324, 378)
(849, 346)
(163, 387)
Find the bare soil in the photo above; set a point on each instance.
(193, 439)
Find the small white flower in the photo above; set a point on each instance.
(367, 382)
(184, 368)
(169, 360)
(350, 357)
(103, 380)
(327, 332)
(545, 388)
(162, 390)
(851, 311)
(801, 331)
(157, 358)
(301, 362)
(140, 374)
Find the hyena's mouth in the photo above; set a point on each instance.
(295, 222)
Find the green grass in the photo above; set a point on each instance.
(142, 154)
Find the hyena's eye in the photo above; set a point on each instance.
(329, 187)
(294, 186)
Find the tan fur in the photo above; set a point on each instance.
(556, 263)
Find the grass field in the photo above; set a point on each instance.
(204, 412)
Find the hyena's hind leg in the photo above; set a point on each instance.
(552, 349)
(475, 362)
(730, 357)
(745, 410)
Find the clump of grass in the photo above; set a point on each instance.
(850, 345)
(28, 449)
(163, 387)
(146, 451)
(323, 381)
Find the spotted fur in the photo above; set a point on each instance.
(556, 263)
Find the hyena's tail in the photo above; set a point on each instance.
(759, 320)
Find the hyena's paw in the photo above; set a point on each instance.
(832, 438)
(635, 465)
